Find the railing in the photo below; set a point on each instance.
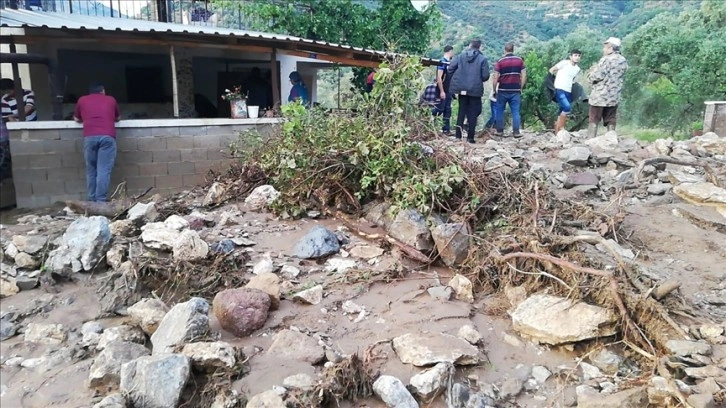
(194, 12)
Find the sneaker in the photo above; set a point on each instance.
(499, 133)
(472, 141)
(517, 135)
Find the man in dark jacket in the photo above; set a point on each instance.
(468, 71)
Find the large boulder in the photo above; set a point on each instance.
(241, 311)
(317, 243)
(433, 348)
(452, 242)
(82, 246)
(155, 381)
(185, 322)
(410, 228)
(554, 320)
(292, 345)
(106, 368)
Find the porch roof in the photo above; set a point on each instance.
(51, 26)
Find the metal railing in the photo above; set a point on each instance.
(194, 12)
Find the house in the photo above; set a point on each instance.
(168, 79)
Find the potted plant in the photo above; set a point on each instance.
(237, 102)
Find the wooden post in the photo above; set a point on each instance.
(174, 82)
(275, 80)
(19, 94)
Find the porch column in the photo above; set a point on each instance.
(288, 64)
(183, 82)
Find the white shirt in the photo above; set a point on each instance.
(566, 73)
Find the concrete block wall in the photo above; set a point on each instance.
(48, 164)
(715, 118)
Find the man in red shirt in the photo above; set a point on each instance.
(99, 113)
(510, 76)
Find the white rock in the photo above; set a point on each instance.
(45, 333)
(687, 348)
(432, 348)
(540, 374)
(351, 307)
(296, 346)
(577, 156)
(121, 333)
(312, 296)
(148, 314)
(30, 244)
(264, 265)
(157, 236)
(116, 400)
(470, 334)
(26, 261)
(267, 399)
(11, 251)
(211, 355)
(189, 247)
(711, 331)
(608, 141)
(8, 286)
(115, 256)
(463, 288)
(366, 251)
(429, 382)
(184, 323)
(627, 254)
(339, 265)
(82, 246)
(261, 197)
(215, 194)
(299, 381)
(590, 372)
(289, 272)
(143, 213)
(562, 137)
(106, 368)
(91, 332)
(155, 381)
(392, 391)
(176, 222)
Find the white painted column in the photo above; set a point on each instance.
(288, 64)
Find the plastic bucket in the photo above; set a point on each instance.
(253, 112)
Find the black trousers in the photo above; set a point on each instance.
(469, 107)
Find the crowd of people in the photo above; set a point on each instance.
(462, 77)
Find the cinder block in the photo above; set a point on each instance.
(133, 132)
(180, 142)
(203, 166)
(30, 176)
(47, 161)
(23, 147)
(49, 188)
(193, 155)
(127, 170)
(218, 154)
(166, 156)
(33, 201)
(193, 180)
(206, 141)
(140, 183)
(67, 197)
(169, 182)
(226, 140)
(151, 143)
(67, 173)
(181, 168)
(192, 130)
(165, 131)
(225, 129)
(70, 134)
(76, 186)
(40, 134)
(23, 189)
(73, 160)
(127, 144)
(62, 146)
(136, 157)
(153, 169)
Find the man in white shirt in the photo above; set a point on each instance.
(565, 72)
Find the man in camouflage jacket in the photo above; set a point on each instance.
(607, 85)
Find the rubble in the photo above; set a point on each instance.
(423, 350)
(122, 333)
(185, 322)
(83, 245)
(155, 381)
(211, 355)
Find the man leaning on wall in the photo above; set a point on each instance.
(98, 113)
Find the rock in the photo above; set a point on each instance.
(470, 334)
(8, 328)
(380, 215)
(705, 372)
(26, 261)
(11, 251)
(711, 331)
(264, 265)
(707, 386)
(184, 323)
(587, 397)
(512, 340)
(612, 246)
(510, 388)
(685, 348)
(658, 188)
(122, 228)
(606, 360)
(148, 314)
(116, 400)
(554, 320)
(660, 392)
(26, 282)
(141, 213)
(8, 286)
(340, 265)
(267, 399)
(576, 156)
(225, 246)
(241, 311)
(429, 383)
(261, 197)
(292, 345)
(91, 334)
(702, 193)
(115, 256)
(268, 283)
(289, 272)
(299, 381)
(392, 391)
(30, 244)
(176, 222)
(312, 296)
(608, 141)
(119, 290)
(211, 355)
(366, 252)
(351, 307)
(160, 235)
(452, 242)
(441, 292)
(581, 179)
(155, 381)
(45, 333)
(589, 371)
(317, 243)
(215, 194)
(106, 368)
(410, 228)
(710, 143)
(463, 288)
(227, 399)
(562, 137)
(540, 374)
(701, 401)
(189, 247)
(121, 333)
(432, 348)
(82, 246)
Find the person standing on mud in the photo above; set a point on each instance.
(443, 81)
(510, 75)
(565, 72)
(469, 70)
(98, 113)
(607, 85)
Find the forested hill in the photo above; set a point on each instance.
(499, 21)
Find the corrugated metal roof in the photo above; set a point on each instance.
(52, 20)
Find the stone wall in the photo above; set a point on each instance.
(715, 118)
(168, 155)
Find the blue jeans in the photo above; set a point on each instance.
(444, 108)
(564, 99)
(100, 155)
(514, 99)
(493, 116)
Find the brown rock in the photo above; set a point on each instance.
(241, 311)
